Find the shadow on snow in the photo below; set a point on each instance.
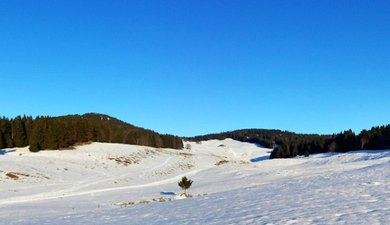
(167, 193)
(261, 158)
(3, 152)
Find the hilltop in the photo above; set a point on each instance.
(64, 132)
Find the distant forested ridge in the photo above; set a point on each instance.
(288, 144)
(263, 137)
(46, 132)
(377, 138)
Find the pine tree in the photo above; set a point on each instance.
(2, 142)
(185, 184)
(36, 137)
(19, 135)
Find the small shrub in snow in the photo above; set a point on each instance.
(185, 184)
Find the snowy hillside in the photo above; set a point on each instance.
(234, 183)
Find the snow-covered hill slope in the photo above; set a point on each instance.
(234, 183)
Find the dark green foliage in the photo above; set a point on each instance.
(14, 132)
(288, 144)
(2, 141)
(185, 184)
(66, 131)
(19, 135)
(374, 139)
(263, 137)
(63, 132)
(285, 144)
(37, 138)
(346, 141)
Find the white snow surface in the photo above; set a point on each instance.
(234, 183)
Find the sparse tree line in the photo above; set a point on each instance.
(45, 132)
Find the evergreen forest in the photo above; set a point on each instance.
(44, 132)
(64, 132)
(288, 144)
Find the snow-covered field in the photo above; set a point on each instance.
(234, 183)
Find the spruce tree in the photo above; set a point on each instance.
(2, 142)
(185, 184)
(19, 135)
(36, 137)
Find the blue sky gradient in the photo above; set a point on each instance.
(196, 67)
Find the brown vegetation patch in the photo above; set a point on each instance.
(185, 154)
(124, 161)
(171, 169)
(221, 162)
(134, 158)
(128, 204)
(185, 166)
(16, 175)
(243, 162)
(153, 200)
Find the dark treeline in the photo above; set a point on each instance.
(377, 138)
(15, 132)
(63, 132)
(288, 144)
(263, 137)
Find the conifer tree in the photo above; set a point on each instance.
(36, 137)
(19, 135)
(2, 142)
(185, 184)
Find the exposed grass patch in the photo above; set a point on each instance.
(221, 162)
(153, 200)
(185, 154)
(134, 158)
(16, 175)
(124, 161)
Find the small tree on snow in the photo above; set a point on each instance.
(185, 184)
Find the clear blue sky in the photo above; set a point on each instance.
(196, 67)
